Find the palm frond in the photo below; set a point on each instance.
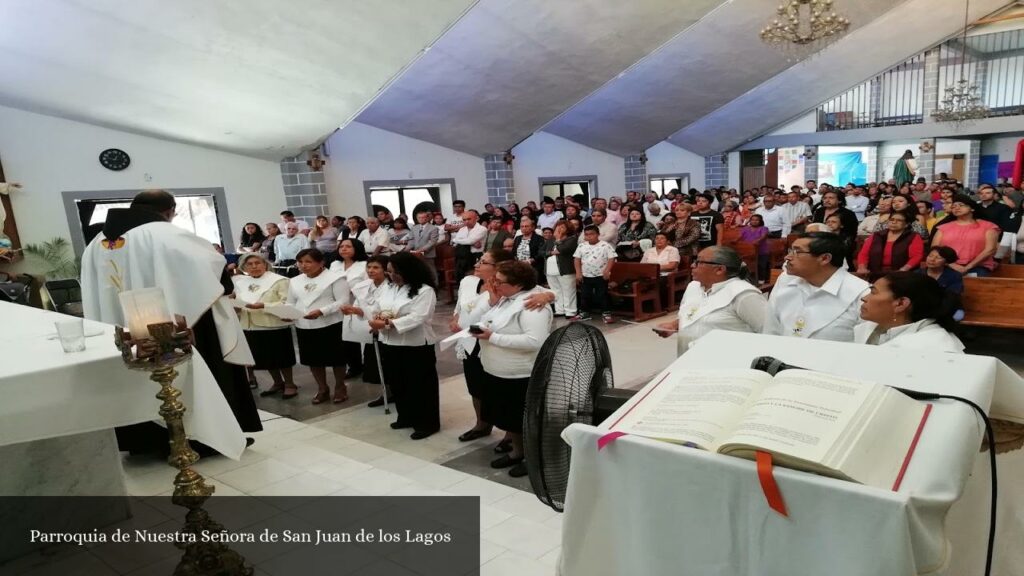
(58, 257)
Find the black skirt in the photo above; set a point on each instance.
(320, 347)
(476, 378)
(504, 402)
(271, 349)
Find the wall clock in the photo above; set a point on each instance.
(114, 159)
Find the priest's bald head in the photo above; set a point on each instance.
(158, 201)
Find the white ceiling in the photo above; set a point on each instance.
(508, 67)
(258, 77)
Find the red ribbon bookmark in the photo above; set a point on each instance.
(608, 439)
(768, 485)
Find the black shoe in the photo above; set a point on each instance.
(249, 441)
(519, 470)
(400, 425)
(474, 434)
(421, 434)
(503, 447)
(375, 403)
(505, 461)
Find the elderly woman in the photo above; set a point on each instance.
(720, 298)
(664, 255)
(400, 236)
(401, 317)
(686, 235)
(510, 338)
(356, 326)
(907, 310)
(351, 264)
(975, 241)
(896, 248)
(320, 293)
(269, 337)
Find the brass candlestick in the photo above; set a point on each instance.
(168, 345)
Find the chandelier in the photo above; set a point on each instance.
(962, 102)
(804, 23)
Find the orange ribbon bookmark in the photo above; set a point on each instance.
(768, 485)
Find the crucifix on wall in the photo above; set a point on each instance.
(10, 243)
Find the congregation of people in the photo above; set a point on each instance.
(368, 286)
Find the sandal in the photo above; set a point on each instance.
(271, 391)
(321, 397)
(343, 397)
(289, 393)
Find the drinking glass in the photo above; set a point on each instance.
(71, 334)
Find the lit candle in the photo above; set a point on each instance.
(144, 307)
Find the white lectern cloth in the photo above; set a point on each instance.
(647, 507)
(48, 393)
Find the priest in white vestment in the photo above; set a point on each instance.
(719, 298)
(816, 297)
(140, 248)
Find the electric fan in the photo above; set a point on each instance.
(571, 382)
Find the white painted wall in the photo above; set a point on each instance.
(545, 155)
(51, 155)
(734, 170)
(667, 158)
(1005, 146)
(360, 152)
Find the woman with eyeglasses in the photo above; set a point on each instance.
(897, 248)
(269, 337)
(975, 241)
(720, 297)
(510, 337)
(401, 316)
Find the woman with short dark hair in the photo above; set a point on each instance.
(907, 310)
(320, 293)
(975, 241)
(401, 316)
(895, 248)
(510, 338)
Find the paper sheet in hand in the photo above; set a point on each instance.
(285, 312)
(451, 340)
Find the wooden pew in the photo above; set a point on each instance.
(1009, 271)
(445, 262)
(638, 282)
(775, 273)
(675, 284)
(993, 302)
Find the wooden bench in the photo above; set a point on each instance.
(639, 283)
(993, 302)
(1009, 271)
(445, 263)
(675, 284)
(766, 287)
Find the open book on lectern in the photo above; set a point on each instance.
(811, 421)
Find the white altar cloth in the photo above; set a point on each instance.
(647, 507)
(48, 393)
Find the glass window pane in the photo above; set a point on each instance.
(99, 215)
(551, 190)
(572, 189)
(413, 196)
(198, 214)
(386, 198)
(656, 185)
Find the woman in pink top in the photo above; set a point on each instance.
(975, 241)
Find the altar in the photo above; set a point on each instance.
(641, 506)
(59, 409)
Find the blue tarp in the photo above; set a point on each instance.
(838, 169)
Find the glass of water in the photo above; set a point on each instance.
(71, 334)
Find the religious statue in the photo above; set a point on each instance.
(905, 169)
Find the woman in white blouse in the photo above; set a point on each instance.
(351, 264)
(320, 294)
(719, 298)
(269, 337)
(357, 320)
(510, 338)
(907, 310)
(662, 254)
(402, 317)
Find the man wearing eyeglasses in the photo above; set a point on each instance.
(816, 296)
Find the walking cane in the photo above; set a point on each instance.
(380, 370)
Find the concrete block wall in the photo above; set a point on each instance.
(305, 191)
(716, 171)
(926, 162)
(500, 181)
(635, 174)
(811, 163)
(974, 165)
(931, 83)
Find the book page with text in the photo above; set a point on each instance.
(802, 414)
(694, 406)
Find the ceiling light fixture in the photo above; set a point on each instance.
(804, 25)
(962, 102)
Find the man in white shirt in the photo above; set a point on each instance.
(795, 213)
(469, 243)
(607, 231)
(812, 191)
(377, 238)
(550, 216)
(454, 223)
(816, 297)
(857, 202)
(772, 215)
(288, 245)
(288, 216)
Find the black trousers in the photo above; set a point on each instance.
(594, 295)
(371, 369)
(464, 262)
(411, 374)
(353, 352)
